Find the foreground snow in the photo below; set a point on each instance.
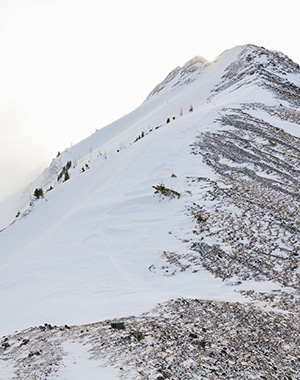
(77, 365)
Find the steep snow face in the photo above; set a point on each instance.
(102, 243)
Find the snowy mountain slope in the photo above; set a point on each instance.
(221, 139)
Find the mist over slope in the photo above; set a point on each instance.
(195, 194)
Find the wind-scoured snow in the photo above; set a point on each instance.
(179, 199)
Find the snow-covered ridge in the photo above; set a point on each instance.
(194, 195)
(233, 69)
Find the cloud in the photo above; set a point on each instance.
(23, 154)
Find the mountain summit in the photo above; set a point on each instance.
(187, 207)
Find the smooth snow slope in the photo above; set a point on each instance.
(92, 248)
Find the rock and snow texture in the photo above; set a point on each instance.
(182, 339)
(192, 197)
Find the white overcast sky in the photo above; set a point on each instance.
(70, 66)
